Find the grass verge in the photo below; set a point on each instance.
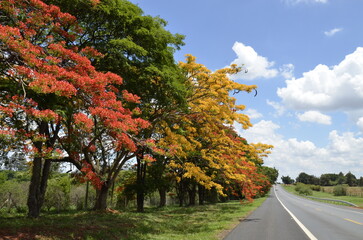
(356, 200)
(192, 223)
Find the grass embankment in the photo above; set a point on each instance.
(319, 194)
(199, 222)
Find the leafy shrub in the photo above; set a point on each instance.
(12, 195)
(58, 193)
(315, 188)
(340, 190)
(303, 189)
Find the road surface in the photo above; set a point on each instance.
(284, 216)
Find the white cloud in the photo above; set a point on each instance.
(279, 108)
(304, 1)
(257, 66)
(360, 123)
(328, 88)
(332, 32)
(253, 113)
(314, 116)
(287, 71)
(292, 156)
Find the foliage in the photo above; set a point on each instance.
(58, 193)
(351, 180)
(12, 195)
(340, 190)
(307, 179)
(315, 187)
(303, 189)
(58, 88)
(287, 180)
(271, 173)
(62, 100)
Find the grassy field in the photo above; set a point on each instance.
(200, 222)
(353, 199)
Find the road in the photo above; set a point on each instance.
(284, 216)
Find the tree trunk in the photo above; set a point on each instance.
(201, 194)
(181, 192)
(140, 201)
(40, 174)
(101, 199)
(140, 181)
(38, 186)
(162, 193)
(192, 194)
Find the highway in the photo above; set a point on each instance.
(284, 216)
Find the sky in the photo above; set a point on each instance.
(305, 56)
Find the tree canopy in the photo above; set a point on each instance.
(95, 84)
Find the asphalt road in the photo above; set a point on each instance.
(284, 216)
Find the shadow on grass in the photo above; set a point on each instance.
(152, 224)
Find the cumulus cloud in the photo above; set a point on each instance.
(314, 116)
(257, 66)
(253, 113)
(339, 87)
(292, 156)
(332, 32)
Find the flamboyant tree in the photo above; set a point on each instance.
(51, 96)
(140, 49)
(204, 132)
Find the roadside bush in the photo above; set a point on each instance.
(315, 188)
(340, 190)
(303, 189)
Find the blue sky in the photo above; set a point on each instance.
(306, 56)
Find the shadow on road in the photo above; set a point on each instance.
(251, 220)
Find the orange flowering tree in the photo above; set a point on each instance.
(205, 149)
(55, 103)
(140, 49)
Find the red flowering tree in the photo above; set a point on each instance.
(55, 103)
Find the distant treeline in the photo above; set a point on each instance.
(327, 179)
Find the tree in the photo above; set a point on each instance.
(360, 182)
(287, 180)
(341, 179)
(307, 179)
(329, 179)
(52, 96)
(351, 180)
(211, 153)
(140, 49)
(271, 173)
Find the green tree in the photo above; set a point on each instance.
(351, 180)
(271, 173)
(287, 180)
(341, 179)
(329, 179)
(307, 179)
(360, 182)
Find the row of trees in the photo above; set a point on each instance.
(63, 100)
(328, 179)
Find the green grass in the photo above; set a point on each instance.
(355, 200)
(200, 222)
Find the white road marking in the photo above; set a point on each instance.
(306, 231)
